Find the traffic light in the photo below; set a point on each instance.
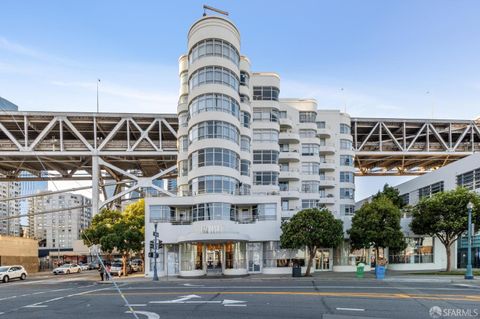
(152, 246)
(153, 255)
(160, 244)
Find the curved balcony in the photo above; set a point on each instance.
(324, 133)
(291, 175)
(327, 165)
(327, 200)
(288, 137)
(291, 193)
(286, 157)
(327, 149)
(327, 181)
(289, 213)
(286, 123)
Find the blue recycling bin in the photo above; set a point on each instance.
(380, 272)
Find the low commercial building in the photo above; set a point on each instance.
(19, 251)
(424, 252)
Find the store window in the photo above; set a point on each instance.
(419, 251)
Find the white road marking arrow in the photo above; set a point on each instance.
(190, 285)
(150, 315)
(182, 299)
(186, 300)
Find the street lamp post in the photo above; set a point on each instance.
(155, 253)
(469, 272)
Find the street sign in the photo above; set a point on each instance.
(155, 234)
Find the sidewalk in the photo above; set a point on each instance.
(391, 276)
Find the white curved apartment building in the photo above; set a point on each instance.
(246, 159)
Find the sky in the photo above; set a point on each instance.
(403, 58)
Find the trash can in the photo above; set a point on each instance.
(380, 271)
(296, 271)
(360, 270)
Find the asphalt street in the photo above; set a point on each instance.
(81, 296)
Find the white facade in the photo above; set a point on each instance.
(10, 227)
(246, 160)
(464, 172)
(59, 229)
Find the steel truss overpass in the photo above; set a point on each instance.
(411, 146)
(133, 150)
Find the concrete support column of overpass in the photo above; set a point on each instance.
(95, 185)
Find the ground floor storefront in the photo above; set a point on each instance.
(233, 258)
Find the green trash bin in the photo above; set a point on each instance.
(360, 270)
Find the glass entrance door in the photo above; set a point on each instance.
(322, 260)
(254, 256)
(214, 258)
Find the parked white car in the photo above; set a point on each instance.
(8, 273)
(84, 267)
(67, 269)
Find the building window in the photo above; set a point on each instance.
(213, 184)
(310, 203)
(310, 168)
(265, 93)
(307, 117)
(245, 167)
(265, 157)
(266, 135)
(162, 213)
(214, 47)
(214, 211)
(310, 186)
(283, 186)
(345, 128)
(265, 115)
(245, 119)
(183, 168)
(405, 198)
(347, 193)
(346, 177)
(244, 99)
(266, 211)
(282, 114)
(214, 74)
(346, 144)
(213, 157)
(245, 143)
(419, 251)
(213, 129)
(347, 210)
(470, 180)
(183, 143)
(429, 190)
(274, 256)
(183, 119)
(310, 149)
(346, 160)
(244, 78)
(307, 133)
(214, 102)
(321, 124)
(265, 178)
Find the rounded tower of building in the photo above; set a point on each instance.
(214, 155)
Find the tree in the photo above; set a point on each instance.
(121, 231)
(444, 215)
(311, 228)
(377, 224)
(392, 193)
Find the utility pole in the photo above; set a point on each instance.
(98, 107)
(155, 252)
